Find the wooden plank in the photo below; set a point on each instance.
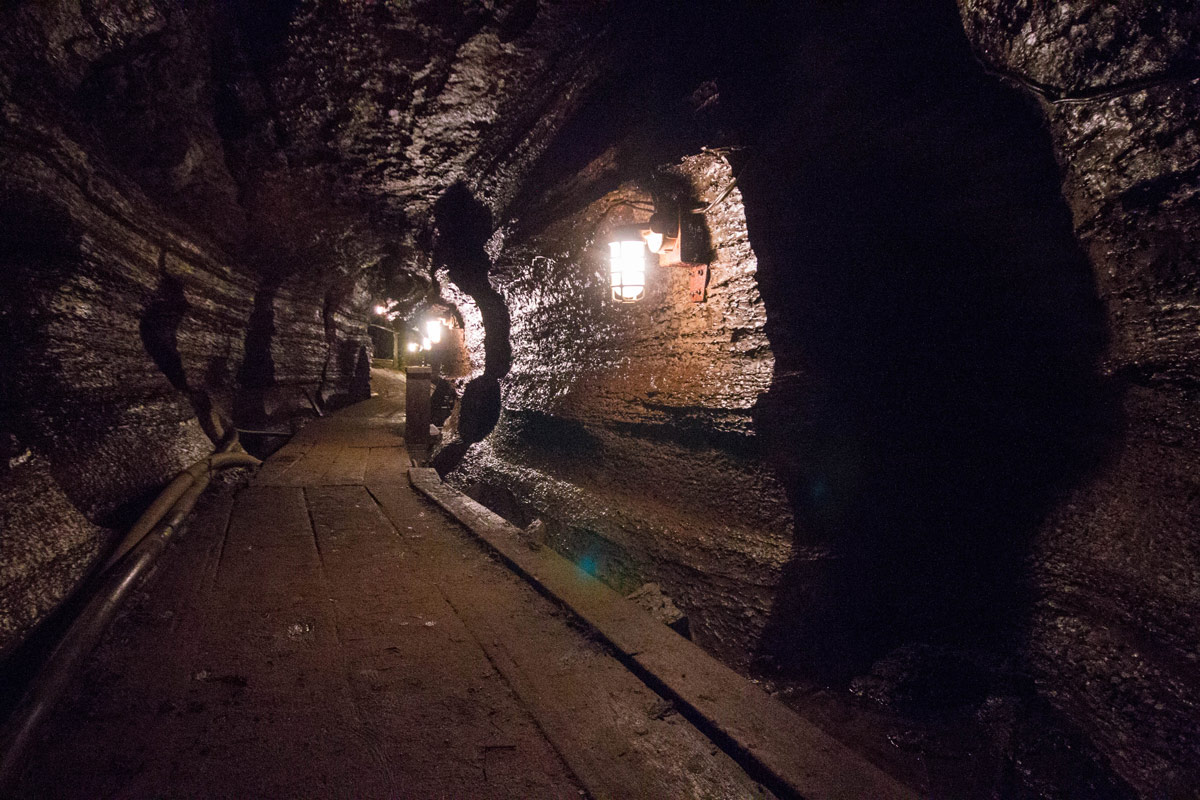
(269, 544)
(797, 758)
(348, 467)
(423, 683)
(281, 461)
(387, 465)
(617, 736)
(620, 738)
(309, 470)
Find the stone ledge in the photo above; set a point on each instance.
(791, 756)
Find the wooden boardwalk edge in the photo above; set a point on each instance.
(787, 753)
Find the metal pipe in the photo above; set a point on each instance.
(312, 402)
(161, 506)
(171, 495)
(85, 632)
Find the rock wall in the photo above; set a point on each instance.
(126, 353)
(135, 334)
(966, 348)
(628, 428)
(927, 407)
(1113, 633)
(200, 203)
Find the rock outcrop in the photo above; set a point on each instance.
(629, 428)
(1113, 633)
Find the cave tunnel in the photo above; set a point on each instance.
(599, 398)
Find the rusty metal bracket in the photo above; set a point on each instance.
(697, 280)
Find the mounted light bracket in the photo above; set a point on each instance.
(663, 239)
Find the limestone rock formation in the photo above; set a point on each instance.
(197, 204)
(1114, 628)
(927, 446)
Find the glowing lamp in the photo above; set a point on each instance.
(426, 344)
(628, 248)
(380, 310)
(413, 347)
(433, 330)
(627, 264)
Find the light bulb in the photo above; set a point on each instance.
(433, 329)
(628, 270)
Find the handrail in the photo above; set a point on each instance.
(138, 551)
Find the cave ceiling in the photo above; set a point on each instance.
(308, 135)
(393, 102)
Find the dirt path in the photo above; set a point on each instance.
(325, 632)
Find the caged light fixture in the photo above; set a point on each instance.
(627, 264)
(628, 246)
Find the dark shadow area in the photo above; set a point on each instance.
(39, 245)
(382, 343)
(159, 329)
(935, 328)
(264, 26)
(501, 500)
(360, 385)
(442, 402)
(347, 358)
(555, 436)
(464, 226)
(257, 372)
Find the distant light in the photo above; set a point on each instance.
(426, 344)
(627, 266)
(380, 310)
(413, 347)
(433, 329)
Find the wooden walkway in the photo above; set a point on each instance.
(326, 632)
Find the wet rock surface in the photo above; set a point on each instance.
(628, 428)
(199, 202)
(927, 451)
(1113, 629)
(962, 380)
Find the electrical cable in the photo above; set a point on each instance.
(1057, 96)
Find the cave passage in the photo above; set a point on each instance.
(325, 630)
(602, 398)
